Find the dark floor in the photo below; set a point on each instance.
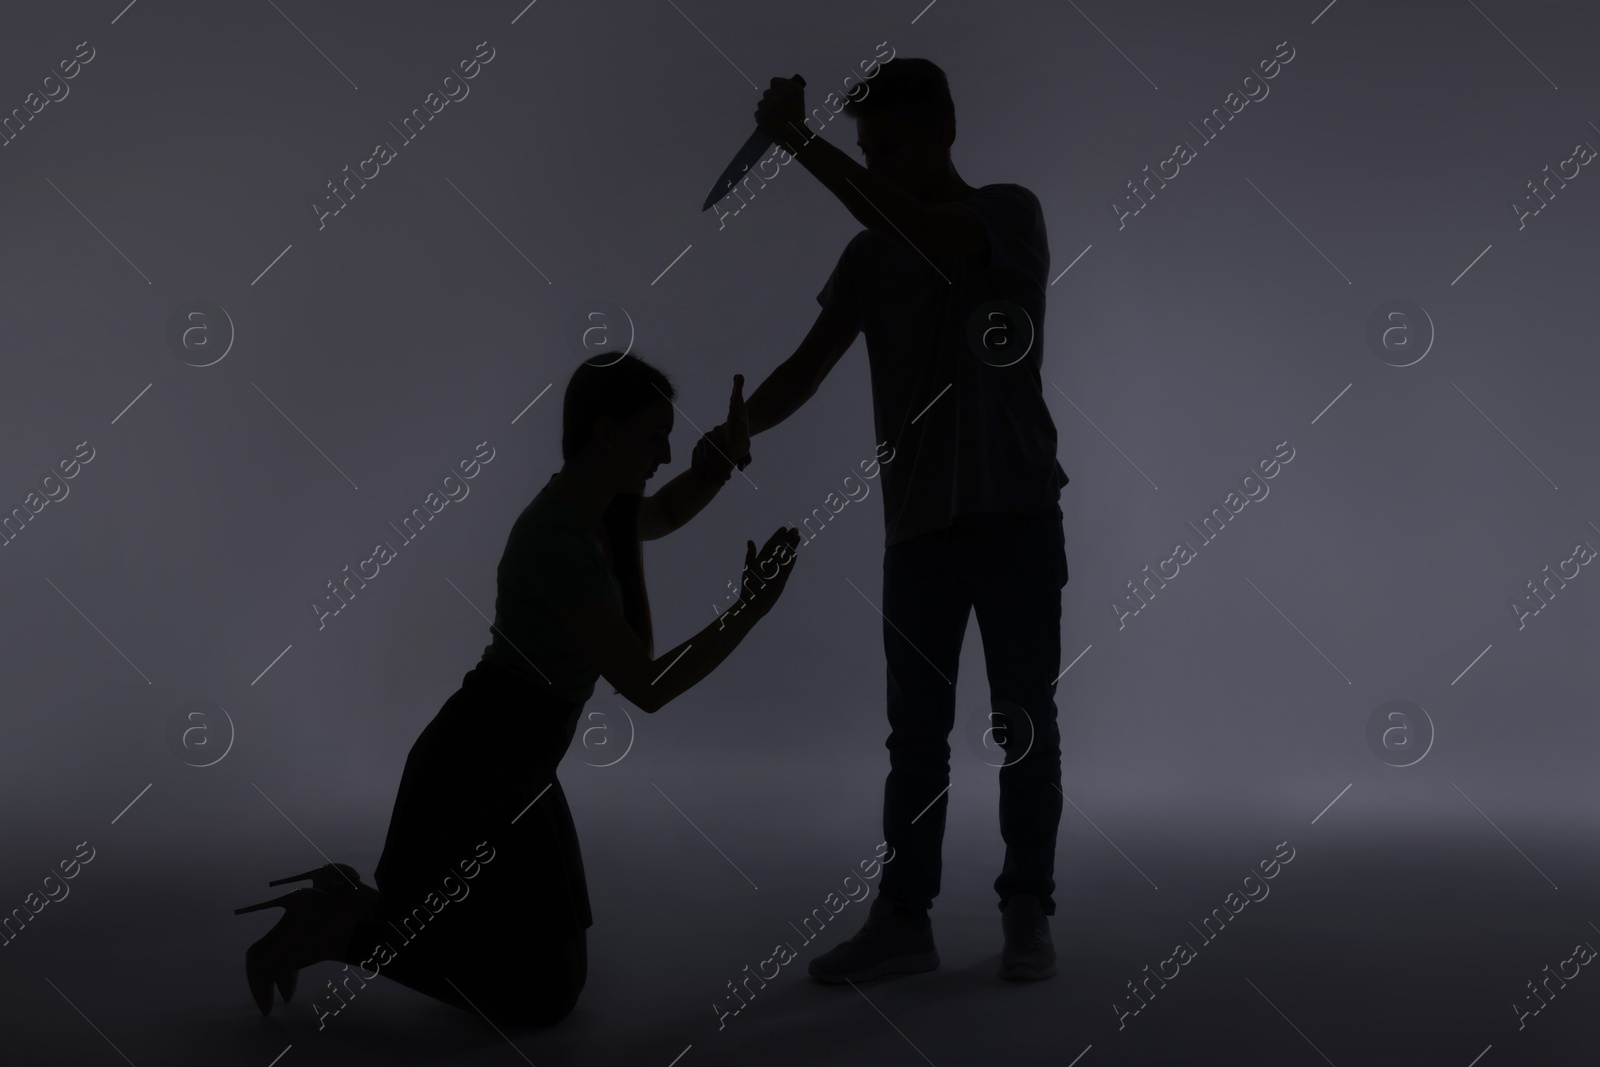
(1380, 943)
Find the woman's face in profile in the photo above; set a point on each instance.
(643, 443)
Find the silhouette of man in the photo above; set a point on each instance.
(947, 282)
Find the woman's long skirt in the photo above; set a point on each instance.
(483, 901)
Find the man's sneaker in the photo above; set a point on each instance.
(1029, 954)
(893, 940)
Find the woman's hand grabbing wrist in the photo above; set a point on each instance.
(710, 459)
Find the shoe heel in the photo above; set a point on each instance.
(275, 902)
(324, 877)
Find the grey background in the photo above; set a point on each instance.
(1180, 349)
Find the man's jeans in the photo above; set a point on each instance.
(1011, 568)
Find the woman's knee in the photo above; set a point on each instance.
(549, 996)
(542, 1005)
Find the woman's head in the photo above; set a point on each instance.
(616, 421)
(616, 418)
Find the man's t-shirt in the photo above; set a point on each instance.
(971, 436)
(551, 560)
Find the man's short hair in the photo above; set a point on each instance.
(914, 88)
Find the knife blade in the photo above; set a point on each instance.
(755, 146)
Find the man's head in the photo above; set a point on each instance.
(905, 123)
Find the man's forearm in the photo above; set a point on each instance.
(877, 203)
(778, 397)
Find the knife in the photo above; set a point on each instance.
(754, 148)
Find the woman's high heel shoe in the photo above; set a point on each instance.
(337, 879)
(316, 926)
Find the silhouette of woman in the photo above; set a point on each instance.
(481, 900)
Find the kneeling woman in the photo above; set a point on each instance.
(480, 899)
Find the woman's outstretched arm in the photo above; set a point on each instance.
(607, 641)
(686, 495)
(681, 499)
